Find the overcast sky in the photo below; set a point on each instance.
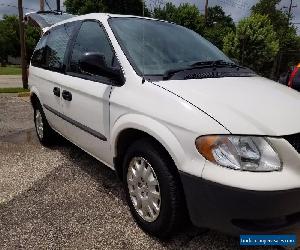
(236, 8)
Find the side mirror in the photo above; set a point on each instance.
(94, 64)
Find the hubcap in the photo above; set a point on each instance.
(39, 124)
(144, 189)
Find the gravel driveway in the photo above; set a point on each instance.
(63, 198)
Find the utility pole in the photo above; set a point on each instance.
(206, 10)
(290, 10)
(22, 43)
(58, 5)
(42, 5)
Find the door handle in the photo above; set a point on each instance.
(67, 95)
(56, 91)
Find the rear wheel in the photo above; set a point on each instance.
(44, 132)
(153, 189)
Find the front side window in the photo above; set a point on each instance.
(154, 47)
(91, 38)
(56, 46)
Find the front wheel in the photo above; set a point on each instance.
(153, 189)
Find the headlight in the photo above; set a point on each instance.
(248, 153)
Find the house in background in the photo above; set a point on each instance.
(14, 60)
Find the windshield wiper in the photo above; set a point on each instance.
(216, 63)
(202, 64)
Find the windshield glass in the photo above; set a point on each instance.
(154, 47)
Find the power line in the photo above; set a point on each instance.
(290, 8)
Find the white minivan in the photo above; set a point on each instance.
(190, 133)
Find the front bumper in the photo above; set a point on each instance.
(240, 211)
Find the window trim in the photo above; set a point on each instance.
(105, 80)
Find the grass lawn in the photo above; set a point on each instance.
(13, 90)
(10, 70)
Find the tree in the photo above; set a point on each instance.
(285, 32)
(217, 15)
(80, 7)
(278, 18)
(186, 15)
(32, 36)
(218, 25)
(254, 43)
(10, 40)
(127, 7)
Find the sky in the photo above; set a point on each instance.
(238, 9)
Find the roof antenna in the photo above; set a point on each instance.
(143, 45)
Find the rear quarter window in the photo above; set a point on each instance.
(51, 49)
(38, 57)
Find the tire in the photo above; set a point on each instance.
(44, 132)
(172, 209)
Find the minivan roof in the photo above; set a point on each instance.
(99, 16)
(48, 19)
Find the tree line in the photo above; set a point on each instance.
(255, 41)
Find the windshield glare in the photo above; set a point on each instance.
(154, 47)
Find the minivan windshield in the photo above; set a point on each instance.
(156, 47)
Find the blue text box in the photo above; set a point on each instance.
(268, 240)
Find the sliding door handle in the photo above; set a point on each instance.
(56, 91)
(67, 95)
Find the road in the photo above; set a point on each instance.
(63, 198)
(10, 81)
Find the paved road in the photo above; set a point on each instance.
(63, 198)
(10, 81)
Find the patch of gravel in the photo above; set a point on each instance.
(22, 166)
(16, 114)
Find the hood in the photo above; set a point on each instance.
(243, 105)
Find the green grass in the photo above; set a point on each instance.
(13, 90)
(10, 70)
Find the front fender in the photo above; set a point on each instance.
(152, 127)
